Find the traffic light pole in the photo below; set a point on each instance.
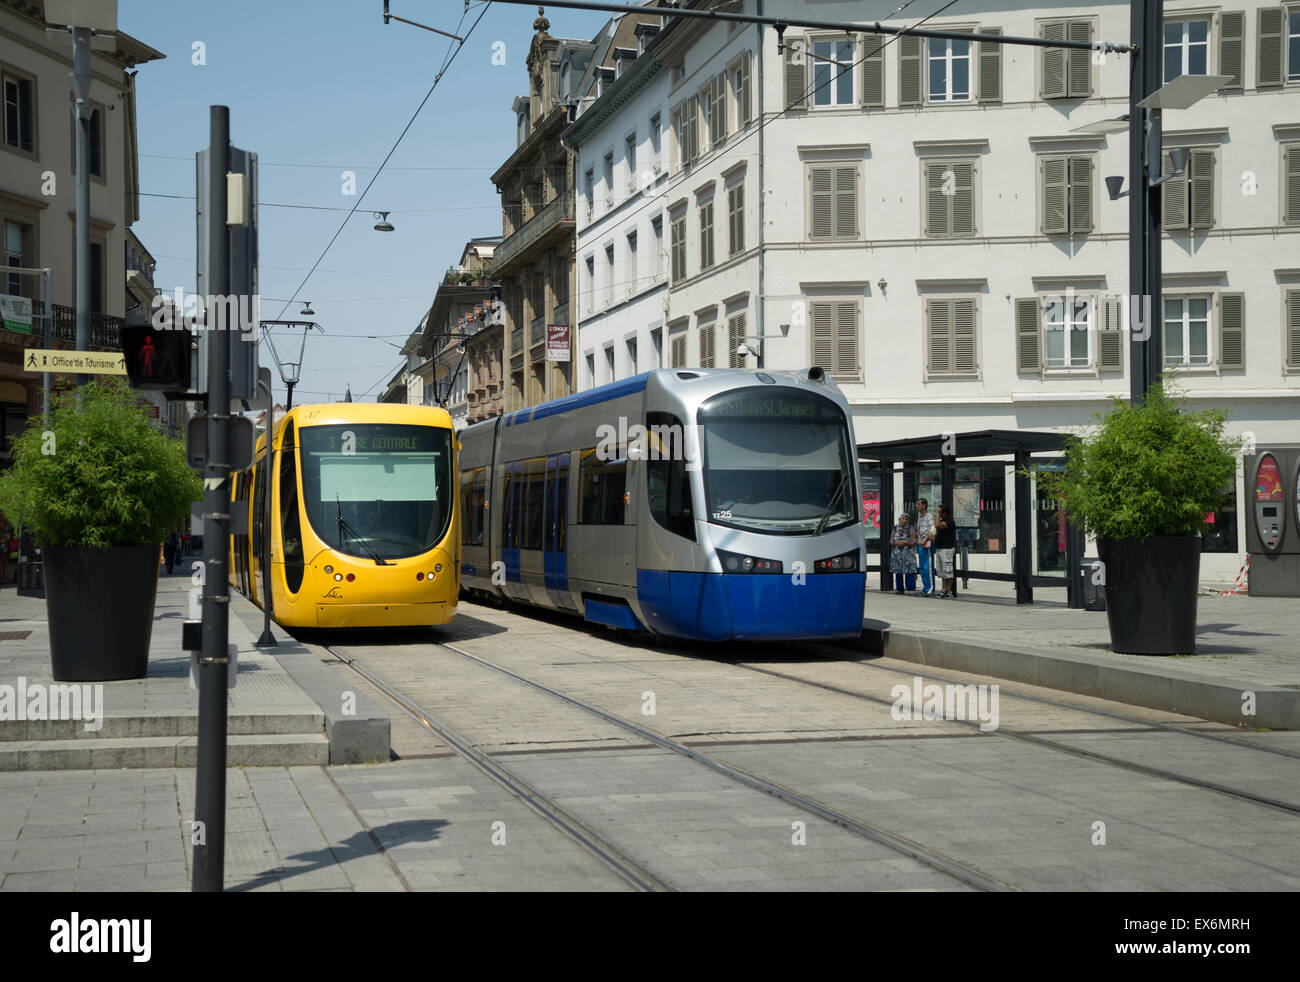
(210, 777)
(1146, 347)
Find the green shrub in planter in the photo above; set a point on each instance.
(99, 491)
(1142, 484)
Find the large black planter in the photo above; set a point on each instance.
(100, 605)
(1151, 593)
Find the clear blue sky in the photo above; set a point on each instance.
(327, 84)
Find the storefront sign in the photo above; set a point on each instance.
(557, 342)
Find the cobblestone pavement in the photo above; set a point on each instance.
(1025, 813)
(1238, 638)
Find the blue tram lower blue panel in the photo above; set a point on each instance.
(751, 606)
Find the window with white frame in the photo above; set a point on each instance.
(833, 72)
(741, 91)
(657, 234)
(1067, 331)
(609, 362)
(948, 68)
(657, 346)
(589, 192)
(1293, 46)
(591, 368)
(609, 273)
(629, 152)
(1187, 47)
(631, 355)
(609, 178)
(655, 143)
(1187, 330)
(633, 281)
(19, 108)
(591, 283)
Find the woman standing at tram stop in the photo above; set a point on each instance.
(925, 544)
(902, 555)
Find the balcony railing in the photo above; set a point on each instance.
(105, 329)
(517, 339)
(528, 234)
(561, 314)
(537, 331)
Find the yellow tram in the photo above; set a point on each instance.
(363, 525)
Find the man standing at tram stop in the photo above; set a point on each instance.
(924, 544)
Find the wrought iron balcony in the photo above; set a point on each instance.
(537, 332)
(536, 232)
(105, 329)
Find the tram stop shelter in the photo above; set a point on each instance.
(948, 452)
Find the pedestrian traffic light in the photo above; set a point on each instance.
(157, 360)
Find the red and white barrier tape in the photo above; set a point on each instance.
(1240, 586)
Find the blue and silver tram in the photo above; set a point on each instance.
(701, 504)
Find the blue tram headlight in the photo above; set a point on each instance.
(733, 562)
(845, 563)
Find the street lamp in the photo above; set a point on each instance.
(85, 19)
(306, 310)
(290, 371)
(383, 224)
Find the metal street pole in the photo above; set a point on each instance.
(210, 777)
(1146, 346)
(83, 109)
(264, 472)
(46, 286)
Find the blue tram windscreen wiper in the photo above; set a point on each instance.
(835, 497)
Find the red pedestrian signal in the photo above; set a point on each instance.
(157, 360)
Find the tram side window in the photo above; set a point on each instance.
(478, 505)
(471, 506)
(255, 520)
(290, 525)
(668, 487)
(534, 498)
(509, 520)
(603, 485)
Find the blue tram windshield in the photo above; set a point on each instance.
(774, 461)
(377, 489)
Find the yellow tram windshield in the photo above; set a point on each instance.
(377, 490)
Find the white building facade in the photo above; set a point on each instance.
(931, 229)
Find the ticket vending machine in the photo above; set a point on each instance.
(1273, 520)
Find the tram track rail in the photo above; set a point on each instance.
(628, 869)
(954, 868)
(1041, 741)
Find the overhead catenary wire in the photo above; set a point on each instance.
(447, 63)
(274, 204)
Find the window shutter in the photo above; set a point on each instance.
(1232, 30)
(963, 199)
(1110, 339)
(820, 203)
(745, 98)
(707, 346)
(692, 128)
(1080, 195)
(909, 70)
(735, 336)
(846, 202)
(720, 107)
(846, 338)
(1080, 81)
(823, 342)
(990, 68)
(796, 74)
(873, 71)
(1201, 194)
(1053, 81)
(1029, 335)
(1293, 328)
(1232, 329)
(1173, 195)
(963, 336)
(940, 340)
(1291, 185)
(937, 215)
(1268, 60)
(1055, 197)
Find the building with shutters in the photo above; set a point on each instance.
(933, 227)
